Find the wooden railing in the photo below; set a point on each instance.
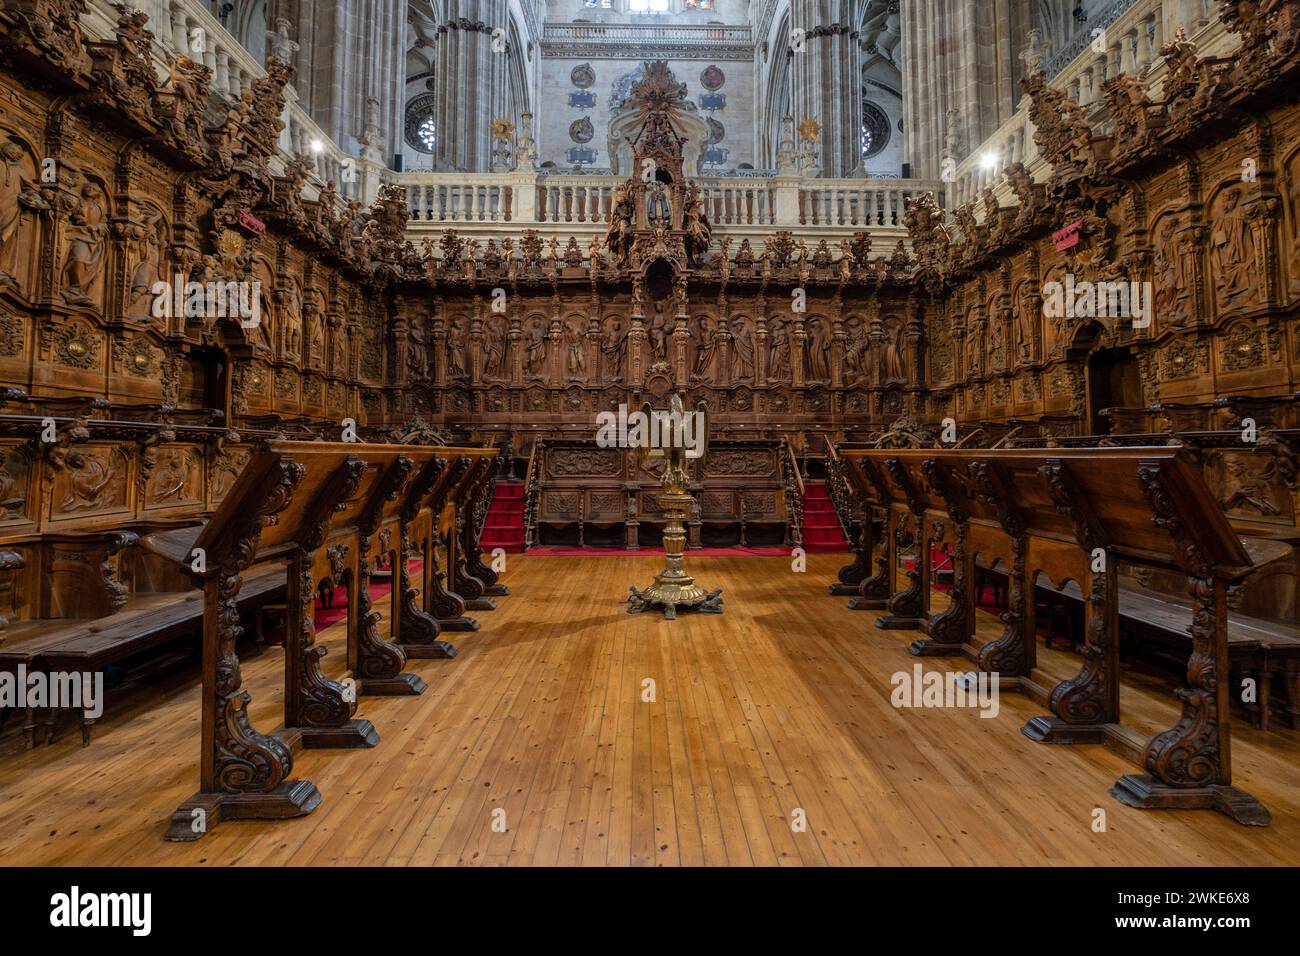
(794, 493)
(841, 494)
(484, 503)
(531, 477)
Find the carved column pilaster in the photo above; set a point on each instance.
(476, 334)
(398, 335)
(838, 338)
(798, 350)
(438, 342)
(515, 344)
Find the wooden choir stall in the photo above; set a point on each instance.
(1072, 515)
(322, 509)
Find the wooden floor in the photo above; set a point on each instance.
(779, 705)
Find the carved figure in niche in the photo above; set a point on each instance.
(698, 231)
(338, 350)
(819, 351)
(894, 369)
(658, 205)
(417, 348)
(259, 335)
(18, 195)
(576, 351)
(1026, 322)
(611, 349)
(1173, 277)
(456, 367)
(313, 310)
(495, 340)
(1292, 200)
(1245, 487)
(997, 356)
(778, 351)
(535, 351)
(658, 332)
(88, 238)
(706, 352)
(13, 484)
(1232, 249)
(618, 235)
(292, 321)
(148, 239)
(855, 351)
(742, 350)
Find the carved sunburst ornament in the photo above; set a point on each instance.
(502, 130)
(809, 130)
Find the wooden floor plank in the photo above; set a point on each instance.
(781, 702)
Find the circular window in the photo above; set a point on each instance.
(420, 128)
(875, 130)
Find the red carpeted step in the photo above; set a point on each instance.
(504, 527)
(821, 526)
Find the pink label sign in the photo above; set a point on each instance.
(250, 222)
(1068, 236)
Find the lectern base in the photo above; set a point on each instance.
(671, 596)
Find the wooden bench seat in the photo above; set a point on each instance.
(1258, 649)
(147, 621)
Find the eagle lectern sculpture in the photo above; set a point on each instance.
(673, 587)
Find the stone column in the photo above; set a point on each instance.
(350, 50)
(826, 81)
(473, 81)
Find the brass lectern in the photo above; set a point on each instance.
(673, 587)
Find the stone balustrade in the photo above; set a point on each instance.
(747, 206)
(188, 27)
(1132, 36)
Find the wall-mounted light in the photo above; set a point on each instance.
(1080, 15)
(317, 146)
(989, 161)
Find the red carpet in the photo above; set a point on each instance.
(504, 527)
(558, 552)
(821, 526)
(324, 617)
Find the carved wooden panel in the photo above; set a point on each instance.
(94, 482)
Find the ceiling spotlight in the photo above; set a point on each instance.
(1080, 15)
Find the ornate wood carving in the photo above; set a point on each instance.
(1012, 652)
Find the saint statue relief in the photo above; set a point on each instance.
(88, 239)
(705, 348)
(742, 350)
(1232, 249)
(148, 270)
(779, 350)
(18, 194)
(575, 348)
(894, 368)
(611, 350)
(819, 349)
(535, 351)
